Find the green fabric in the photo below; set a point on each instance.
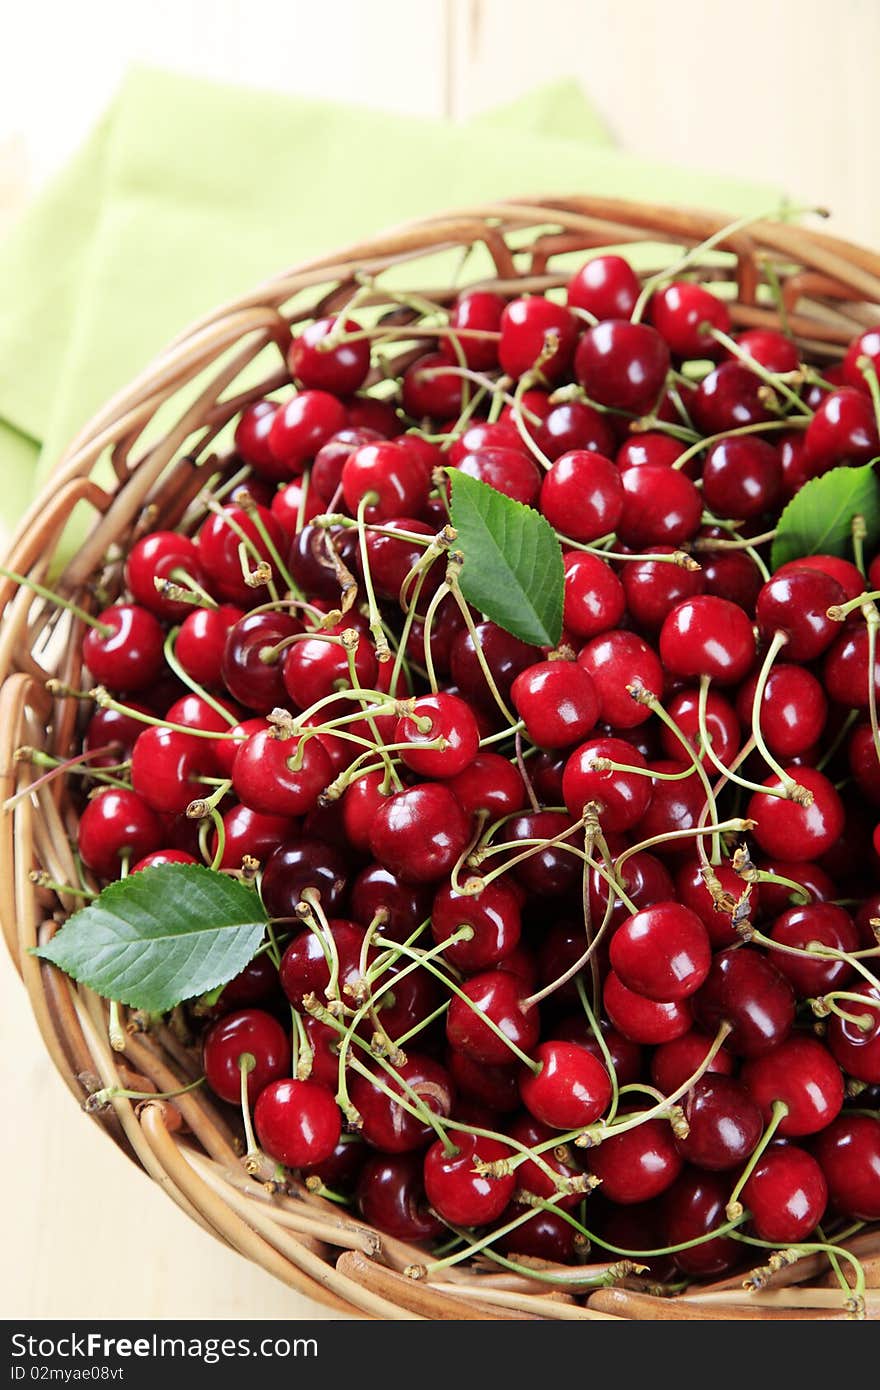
(189, 192)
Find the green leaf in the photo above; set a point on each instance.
(818, 519)
(512, 567)
(160, 936)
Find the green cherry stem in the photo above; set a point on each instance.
(67, 604)
(734, 1209)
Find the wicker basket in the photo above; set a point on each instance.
(826, 288)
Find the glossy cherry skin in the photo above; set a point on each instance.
(642, 1020)
(616, 661)
(571, 1089)
(843, 430)
(299, 864)
(504, 654)
(801, 1073)
(793, 710)
(448, 718)
(637, 1165)
(787, 830)
(391, 1197)
(724, 1124)
(660, 507)
(248, 1032)
(390, 475)
(708, 636)
(131, 655)
(678, 800)
(582, 495)
(729, 397)
(742, 477)
(550, 870)
(506, 470)
(622, 365)
(643, 877)
(302, 425)
(479, 311)
(786, 1195)
(826, 925)
(157, 556)
(253, 659)
(252, 437)
(493, 915)
(530, 1177)
(674, 1062)
(773, 350)
(694, 1206)
(304, 966)
(316, 364)
(498, 995)
(845, 670)
(721, 723)
(654, 587)
(166, 767)
(256, 983)
(558, 702)
(572, 425)
(648, 447)
(733, 575)
(201, 642)
(606, 287)
(117, 824)
(529, 328)
(297, 1122)
(626, 1056)
(866, 345)
(746, 990)
(419, 833)
(622, 797)
(797, 604)
(662, 952)
(219, 545)
(278, 776)
(544, 1236)
(848, 1152)
(406, 904)
(117, 732)
(856, 1045)
(457, 1191)
(863, 762)
(431, 388)
(594, 600)
(776, 897)
(683, 312)
(386, 1125)
(160, 857)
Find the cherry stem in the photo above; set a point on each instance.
(253, 1156)
(524, 772)
(42, 592)
(186, 679)
(648, 698)
(433, 606)
(252, 511)
(40, 879)
(747, 546)
(104, 700)
(869, 372)
(588, 956)
(603, 1048)
(790, 422)
(315, 919)
(383, 652)
(734, 1209)
(497, 388)
(115, 1028)
(56, 770)
(183, 579)
(517, 410)
(814, 949)
(793, 791)
(772, 379)
(475, 1247)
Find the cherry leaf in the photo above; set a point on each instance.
(512, 569)
(818, 519)
(161, 935)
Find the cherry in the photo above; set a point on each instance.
(708, 636)
(386, 1125)
(594, 598)
(311, 559)
(297, 1122)
(662, 952)
(219, 541)
(582, 495)
(494, 916)
(622, 365)
(252, 437)
(733, 575)
(617, 661)
(433, 717)
(606, 287)
(863, 761)
(796, 603)
(432, 389)
(252, 985)
(802, 1074)
(745, 990)
(845, 671)
(661, 506)
(545, 1236)
(638, 1164)
(116, 826)
(622, 797)
(457, 1191)
(505, 656)
(489, 783)
(161, 857)
(692, 1208)
(721, 724)
(337, 366)
(728, 398)
(300, 428)
(683, 312)
(793, 709)
(251, 1034)
(571, 1089)
(788, 830)
(842, 430)
(777, 897)
(224, 750)
(167, 766)
(325, 474)
(678, 800)
(675, 1061)
(823, 924)
(648, 447)
(406, 905)
(391, 559)
(129, 656)
(494, 1088)
(643, 878)
(360, 803)
(848, 1152)
(692, 892)
(483, 434)
(742, 477)
(280, 776)
(299, 864)
(558, 702)
(159, 556)
(550, 869)
(368, 412)
(770, 349)
(848, 576)
(536, 335)
(498, 996)
(295, 504)
(654, 587)
(786, 1195)
(530, 1177)
(390, 476)
(316, 667)
(642, 1020)
(112, 729)
(479, 310)
(419, 833)
(391, 1196)
(341, 1170)
(724, 1123)
(201, 641)
(854, 1042)
(252, 661)
(305, 968)
(573, 425)
(507, 470)
(867, 344)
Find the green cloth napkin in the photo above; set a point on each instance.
(188, 193)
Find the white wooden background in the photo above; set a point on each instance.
(784, 90)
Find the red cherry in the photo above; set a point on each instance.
(720, 720)
(571, 1089)
(479, 311)
(252, 438)
(822, 924)
(558, 701)
(160, 857)
(683, 312)
(498, 996)
(793, 709)
(305, 968)
(803, 1075)
(297, 1122)
(648, 446)
(219, 541)
(855, 1042)
(433, 717)
(842, 430)
(582, 495)
(391, 1197)
(572, 425)
(622, 365)
(729, 397)
(788, 830)
(129, 656)
(201, 641)
(642, 1020)
(742, 477)
(692, 1208)
(675, 1061)
(159, 556)
(117, 825)
(506, 470)
(662, 952)
(618, 661)
(786, 1195)
(661, 506)
(770, 349)
(504, 654)
(621, 796)
(536, 335)
(420, 832)
(386, 1125)
(489, 783)
(250, 1033)
(708, 636)
(637, 1165)
(167, 767)
(493, 914)
(745, 990)
(717, 917)
(606, 287)
(110, 728)
(796, 603)
(457, 1191)
(594, 597)
(337, 366)
(300, 428)
(390, 476)
(848, 1152)
(551, 870)
(317, 666)
(280, 776)
(724, 1124)
(654, 587)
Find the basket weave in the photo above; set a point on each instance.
(829, 291)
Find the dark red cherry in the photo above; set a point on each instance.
(385, 1124)
(848, 1152)
(546, 1235)
(549, 870)
(648, 447)
(498, 996)
(494, 1088)
(606, 287)
(845, 671)
(622, 365)
(724, 1124)
(674, 1062)
(299, 864)
(642, 1020)
(661, 506)
(305, 968)
(297, 1122)
(117, 826)
(432, 387)
(662, 952)
(457, 1191)
(746, 990)
(822, 924)
(504, 654)
(854, 1042)
(323, 357)
(114, 730)
(728, 398)
(251, 1034)
(803, 1075)
(770, 349)
(637, 1165)
(253, 659)
(391, 1197)
(717, 915)
(786, 1195)
(420, 832)
(654, 587)
(742, 477)
(406, 905)
(692, 1208)
(796, 603)
(733, 575)
(573, 425)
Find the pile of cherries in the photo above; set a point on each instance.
(570, 949)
